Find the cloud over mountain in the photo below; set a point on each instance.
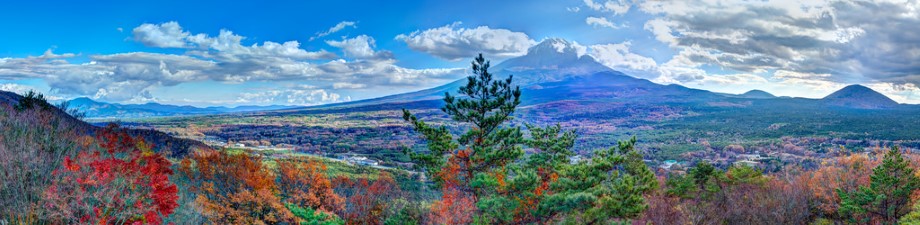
(453, 42)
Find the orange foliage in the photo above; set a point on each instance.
(846, 173)
(234, 189)
(304, 183)
(455, 207)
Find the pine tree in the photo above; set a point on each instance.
(888, 196)
(473, 162)
(608, 188)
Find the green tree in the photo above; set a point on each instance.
(608, 188)
(475, 161)
(308, 216)
(32, 99)
(888, 196)
(701, 182)
(529, 180)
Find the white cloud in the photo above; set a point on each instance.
(903, 93)
(851, 41)
(23, 89)
(454, 43)
(361, 47)
(601, 22)
(344, 85)
(295, 97)
(16, 88)
(618, 7)
(618, 57)
(131, 76)
(165, 35)
(338, 27)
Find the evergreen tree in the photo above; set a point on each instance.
(473, 162)
(608, 188)
(888, 196)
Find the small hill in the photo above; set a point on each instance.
(758, 94)
(858, 96)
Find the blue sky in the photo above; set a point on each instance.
(207, 53)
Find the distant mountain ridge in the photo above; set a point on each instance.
(555, 70)
(96, 109)
(550, 71)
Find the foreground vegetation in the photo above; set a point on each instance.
(484, 169)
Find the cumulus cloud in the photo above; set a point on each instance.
(452, 42)
(618, 56)
(165, 35)
(813, 37)
(130, 76)
(338, 27)
(15, 88)
(820, 45)
(361, 47)
(23, 89)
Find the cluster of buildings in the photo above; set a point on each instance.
(360, 160)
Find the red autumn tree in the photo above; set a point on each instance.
(369, 202)
(122, 181)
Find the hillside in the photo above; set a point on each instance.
(858, 96)
(162, 142)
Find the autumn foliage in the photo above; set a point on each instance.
(370, 201)
(234, 188)
(304, 183)
(123, 181)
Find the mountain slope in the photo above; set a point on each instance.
(162, 142)
(552, 70)
(858, 96)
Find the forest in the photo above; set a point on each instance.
(489, 172)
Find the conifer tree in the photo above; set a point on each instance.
(483, 105)
(888, 196)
